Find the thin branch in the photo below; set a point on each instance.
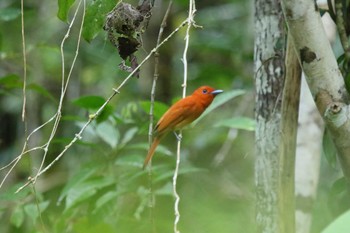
(93, 116)
(24, 67)
(190, 22)
(151, 111)
(341, 29)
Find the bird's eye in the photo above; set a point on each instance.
(205, 91)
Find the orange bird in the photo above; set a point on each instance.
(182, 113)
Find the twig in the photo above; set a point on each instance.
(63, 82)
(151, 115)
(341, 29)
(93, 116)
(24, 67)
(190, 22)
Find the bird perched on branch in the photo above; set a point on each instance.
(182, 113)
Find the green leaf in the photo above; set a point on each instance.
(130, 160)
(108, 133)
(95, 16)
(41, 90)
(8, 14)
(220, 100)
(32, 210)
(107, 197)
(238, 123)
(329, 150)
(183, 170)
(340, 224)
(11, 81)
(63, 9)
(167, 189)
(158, 110)
(10, 195)
(83, 191)
(89, 102)
(17, 216)
(129, 135)
(75, 180)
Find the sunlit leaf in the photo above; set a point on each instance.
(238, 123)
(220, 100)
(108, 133)
(63, 9)
(340, 224)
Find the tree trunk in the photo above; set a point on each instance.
(322, 73)
(308, 157)
(289, 126)
(269, 53)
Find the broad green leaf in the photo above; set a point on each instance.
(32, 210)
(95, 17)
(9, 13)
(63, 9)
(130, 160)
(340, 224)
(108, 133)
(167, 189)
(17, 216)
(77, 179)
(220, 100)
(238, 123)
(129, 135)
(85, 190)
(89, 102)
(41, 90)
(158, 110)
(11, 81)
(107, 197)
(10, 195)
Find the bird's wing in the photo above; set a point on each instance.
(180, 114)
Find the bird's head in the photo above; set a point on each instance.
(207, 92)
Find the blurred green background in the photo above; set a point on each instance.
(98, 185)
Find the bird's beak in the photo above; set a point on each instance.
(217, 92)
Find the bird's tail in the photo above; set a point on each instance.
(151, 151)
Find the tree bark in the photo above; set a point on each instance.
(322, 73)
(289, 126)
(269, 53)
(308, 156)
